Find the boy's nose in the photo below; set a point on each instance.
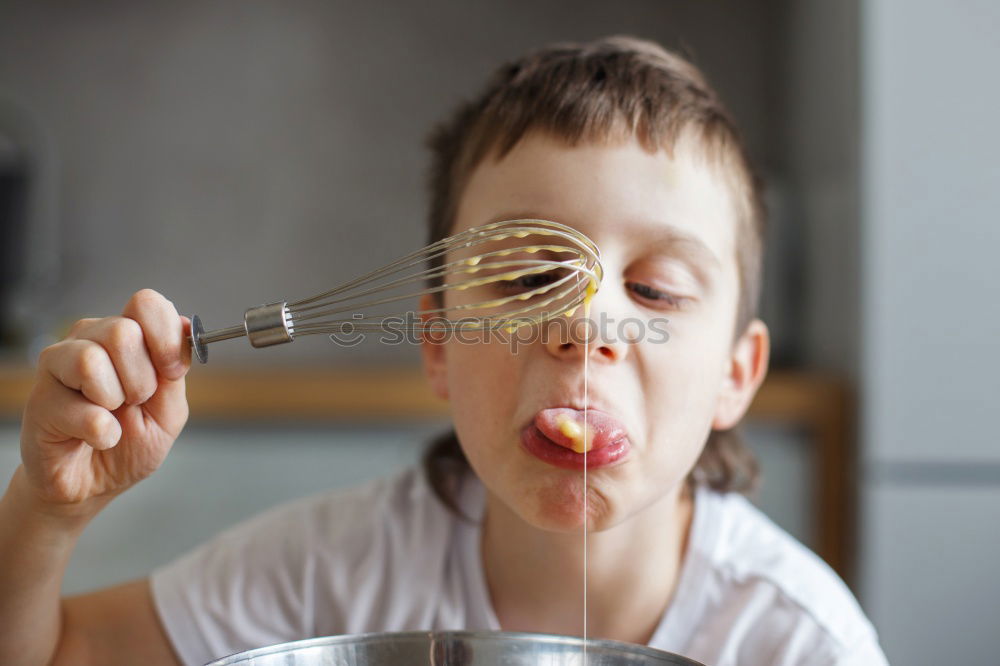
(572, 337)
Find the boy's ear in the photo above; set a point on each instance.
(747, 367)
(432, 354)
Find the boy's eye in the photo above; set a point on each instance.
(531, 281)
(652, 294)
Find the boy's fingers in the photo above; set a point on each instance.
(84, 366)
(69, 415)
(163, 330)
(80, 325)
(123, 340)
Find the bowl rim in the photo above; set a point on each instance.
(374, 637)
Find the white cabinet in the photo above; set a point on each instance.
(930, 230)
(931, 572)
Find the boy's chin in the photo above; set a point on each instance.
(560, 509)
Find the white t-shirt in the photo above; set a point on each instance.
(389, 556)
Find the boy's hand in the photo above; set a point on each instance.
(107, 404)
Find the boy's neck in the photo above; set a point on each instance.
(535, 577)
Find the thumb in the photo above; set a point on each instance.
(169, 406)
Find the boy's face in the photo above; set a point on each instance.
(666, 230)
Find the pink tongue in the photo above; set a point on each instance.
(603, 429)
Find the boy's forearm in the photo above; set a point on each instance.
(35, 547)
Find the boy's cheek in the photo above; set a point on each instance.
(477, 370)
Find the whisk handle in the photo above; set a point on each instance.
(199, 338)
(264, 325)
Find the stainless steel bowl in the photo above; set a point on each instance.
(454, 648)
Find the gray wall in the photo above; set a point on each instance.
(233, 153)
(818, 164)
(931, 325)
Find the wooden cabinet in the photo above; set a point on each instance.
(820, 405)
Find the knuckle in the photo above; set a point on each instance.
(79, 325)
(124, 333)
(90, 361)
(45, 356)
(147, 298)
(145, 388)
(95, 423)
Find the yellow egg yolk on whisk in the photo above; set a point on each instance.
(583, 439)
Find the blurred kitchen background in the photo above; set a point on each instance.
(233, 153)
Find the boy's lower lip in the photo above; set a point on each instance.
(543, 448)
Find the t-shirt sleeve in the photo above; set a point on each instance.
(806, 643)
(246, 588)
(761, 598)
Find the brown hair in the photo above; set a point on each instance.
(606, 90)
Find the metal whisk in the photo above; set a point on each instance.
(501, 275)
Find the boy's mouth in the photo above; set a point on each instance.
(559, 436)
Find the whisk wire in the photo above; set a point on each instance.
(539, 266)
(576, 274)
(467, 324)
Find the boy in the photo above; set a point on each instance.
(626, 143)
